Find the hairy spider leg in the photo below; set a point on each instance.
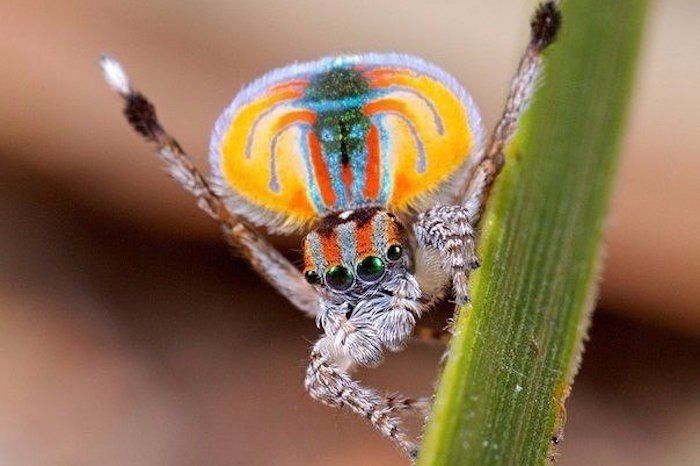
(262, 256)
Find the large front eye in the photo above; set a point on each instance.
(370, 269)
(339, 278)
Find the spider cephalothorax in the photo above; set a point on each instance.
(360, 262)
(350, 144)
(351, 252)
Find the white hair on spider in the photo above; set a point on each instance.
(114, 75)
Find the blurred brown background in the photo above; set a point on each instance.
(128, 336)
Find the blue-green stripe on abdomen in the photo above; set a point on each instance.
(337, 98)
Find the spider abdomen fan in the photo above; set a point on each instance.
(342, 133)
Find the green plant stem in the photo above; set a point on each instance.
(517, 347)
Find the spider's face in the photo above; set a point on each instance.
(356, 254)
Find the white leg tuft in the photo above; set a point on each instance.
(114, 75)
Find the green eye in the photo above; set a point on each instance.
(339, 278)
(370, 269)
(394, 252)
(312, 277)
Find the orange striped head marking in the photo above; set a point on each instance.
(358, 245)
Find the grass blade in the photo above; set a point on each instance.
(517, 346)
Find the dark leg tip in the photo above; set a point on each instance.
(545, 25)
(141, 115)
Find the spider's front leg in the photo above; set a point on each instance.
(328, 380)
(356, 333)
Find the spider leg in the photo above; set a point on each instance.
(262, 256)
(543, 31)
(328, 381)
(378, 323)
(450, 231)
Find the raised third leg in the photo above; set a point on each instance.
(450, 230)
